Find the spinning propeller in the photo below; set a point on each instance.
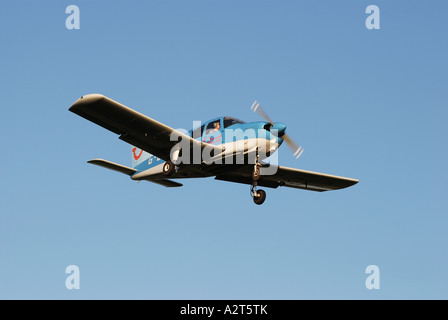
(296, 149)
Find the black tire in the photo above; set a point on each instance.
(261, 197)
(256, 174)
(168, 168)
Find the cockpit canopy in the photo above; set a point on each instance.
(228, 121)
(214, 125)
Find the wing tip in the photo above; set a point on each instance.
(96, 160)
(86, 99)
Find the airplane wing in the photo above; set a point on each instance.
(290, 177)
(132, 126)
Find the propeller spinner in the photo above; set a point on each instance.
(296, 149)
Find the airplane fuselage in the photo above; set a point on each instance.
(238, 141)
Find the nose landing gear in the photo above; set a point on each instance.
(259, 196)
(256, 171)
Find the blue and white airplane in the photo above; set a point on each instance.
(158, 157)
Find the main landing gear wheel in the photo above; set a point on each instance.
(260, 197)
(168, 168)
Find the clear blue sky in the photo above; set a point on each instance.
(365, 104)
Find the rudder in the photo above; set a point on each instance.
(138, 156)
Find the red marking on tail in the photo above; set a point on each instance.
(136, 157)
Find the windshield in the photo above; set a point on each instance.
(231, 121)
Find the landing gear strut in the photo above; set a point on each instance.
(259, 196)
(256, 171)
(168, 168)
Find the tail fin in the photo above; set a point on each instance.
(138, 156)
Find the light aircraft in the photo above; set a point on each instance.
(158, 156)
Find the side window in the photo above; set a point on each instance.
(212, 127)
(197, 133)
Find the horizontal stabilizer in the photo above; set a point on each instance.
(166, 183)
(113, 166)
(129, 171)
